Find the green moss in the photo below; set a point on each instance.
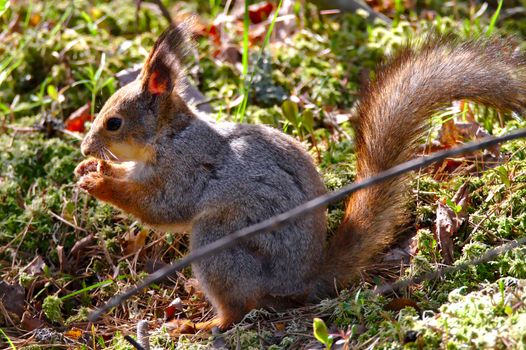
(490, 318)
(52, 309)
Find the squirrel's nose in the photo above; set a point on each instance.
(84, 149)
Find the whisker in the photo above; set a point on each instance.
(104, 155)
(111, 153)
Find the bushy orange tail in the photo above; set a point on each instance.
(393, 115)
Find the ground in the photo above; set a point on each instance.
(62, 253)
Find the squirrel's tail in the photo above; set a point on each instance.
(393, 115)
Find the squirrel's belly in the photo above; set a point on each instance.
(180, 227)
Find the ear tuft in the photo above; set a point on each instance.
(164, 66)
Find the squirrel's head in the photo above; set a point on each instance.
(130, 121)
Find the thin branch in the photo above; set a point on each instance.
(133, 342)
(61, 219)
(278, 221)
(488, 256)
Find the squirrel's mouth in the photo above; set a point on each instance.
(118, 152)
(100, 152)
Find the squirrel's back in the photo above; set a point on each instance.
(393, 112)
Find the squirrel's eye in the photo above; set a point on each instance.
(113, 124)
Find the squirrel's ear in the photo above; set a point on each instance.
(159, 82)
(164, 66)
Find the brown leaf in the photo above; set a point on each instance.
(12, 298)
(62, 260)
(30, 322)
(448, 222)
(214, 33)
(73, 333)
(260, 11)
(455, 131)
(36, 266)
(175, 306)
(134, 241)
(81, 245)
(280, 326)
(448, 135)
(398, 304)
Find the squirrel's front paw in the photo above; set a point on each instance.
(95, 184)
(87, 166)
(93, 166)
(91, 181)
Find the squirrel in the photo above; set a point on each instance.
(153, 157)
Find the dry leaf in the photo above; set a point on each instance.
(135, 241)
(12, 298)
(81, 245)
(260, 12)
(175, 306)
(449, 220)
(280, 326)
(76, 121)
(454, 132)
(30, 322)
(398, 304)
(73, 333)
(36, 266)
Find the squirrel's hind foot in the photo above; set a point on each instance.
(177, 327)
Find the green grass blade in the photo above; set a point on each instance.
(240, 113)
(98, 73)
(4, 5)
(29, 12)
(246, 26)
(494, 19)
(270, 29)
(61, 21)
(87, 289)
(8, 340)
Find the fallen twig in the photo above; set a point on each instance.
(488, 256)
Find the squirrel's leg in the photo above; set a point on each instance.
(233, 280)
